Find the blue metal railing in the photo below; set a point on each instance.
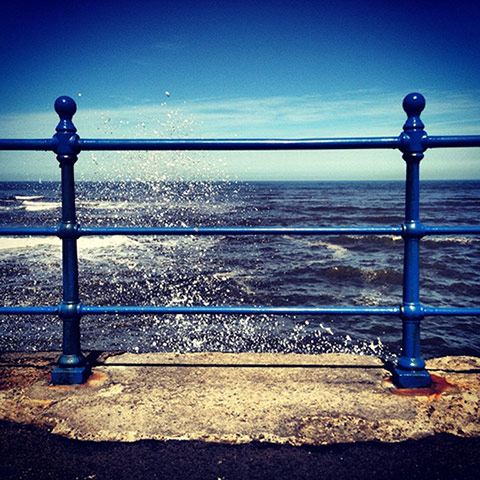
(410, 369)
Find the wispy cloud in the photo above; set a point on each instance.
(350, 114)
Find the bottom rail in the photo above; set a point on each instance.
(236, 310)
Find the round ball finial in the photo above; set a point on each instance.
(413, 104)
(65, 107)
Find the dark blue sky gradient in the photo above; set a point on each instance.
(131, 52)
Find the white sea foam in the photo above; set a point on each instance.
(240, 276)
(391, 238)
(326, 329)
(8, 209)
(85, 244)
(104, 242)
(31, 206)
(337, 250)
(115, 248)
(432, 238)
(105, 205)
(27, 197)
(15, 243)
(461, 240)
(230, 274)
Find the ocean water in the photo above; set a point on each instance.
(234, 270)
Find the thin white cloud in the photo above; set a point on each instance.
(350, 114)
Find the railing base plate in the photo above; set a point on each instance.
(71, 375)
(411, 378)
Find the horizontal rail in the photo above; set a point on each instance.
(242, 144)
(240, 230)
(448, 141)
(28, 144)
(29, 231)
(198, 310)
(98, 231)
(451, 311)
(461, 230)
(236, 310)
(348, 143)
(45, 310)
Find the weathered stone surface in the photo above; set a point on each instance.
(297, 399)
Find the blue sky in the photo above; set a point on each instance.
(240, 69)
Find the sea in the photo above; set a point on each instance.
(278, 270)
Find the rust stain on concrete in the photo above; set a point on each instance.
(438, 386)
(95, 380)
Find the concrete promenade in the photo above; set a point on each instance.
(252, 402)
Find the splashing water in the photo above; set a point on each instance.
(192, 189)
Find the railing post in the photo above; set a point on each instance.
(72, 367)
(410, 369)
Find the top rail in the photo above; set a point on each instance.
(447, 141)
(241, 144)
(28, 144)
(349, 143)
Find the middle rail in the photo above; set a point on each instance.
(81, 231)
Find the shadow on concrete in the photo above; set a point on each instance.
(239, 365)
(30, 453)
